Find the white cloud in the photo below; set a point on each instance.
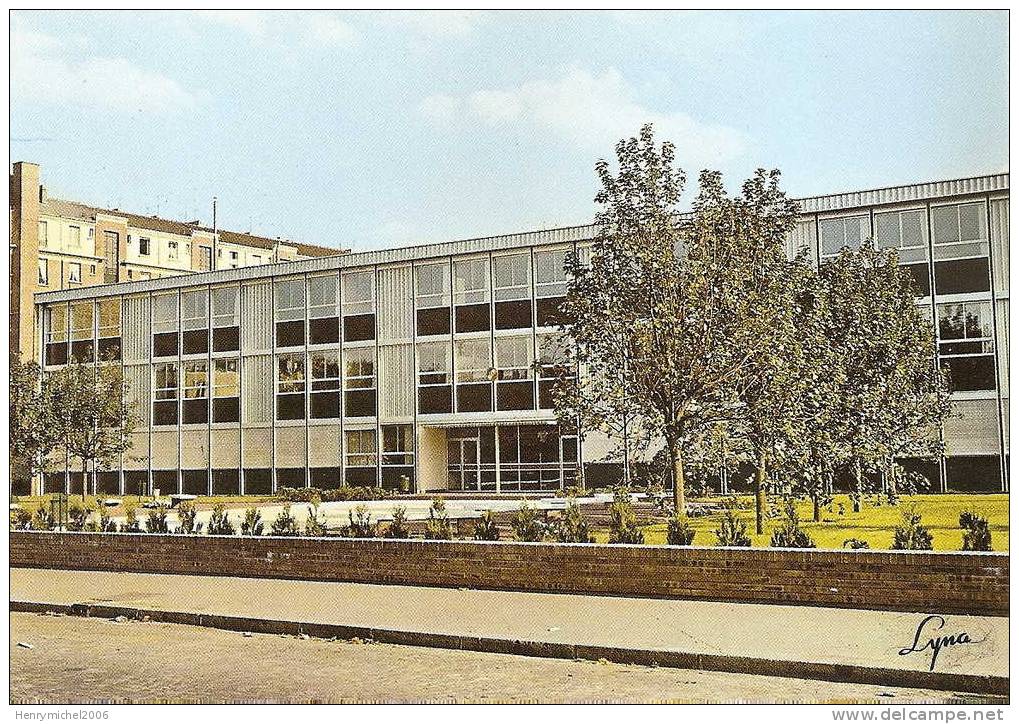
(315, 28)
(590, 111)
(438, 23)
(42, 70)
(329, 30)
(251, 22)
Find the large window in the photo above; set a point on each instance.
(289, 312)
(512, 277)
(226, 390)
(553, 365)
(225, 319)
(196, 392)
(906, 232)
(194, 319)
(56, 334)
(360, 448)
(470, 294)
(290, 379)
(323, 310)
(81, 331)
(514, 389)
(959, 223)
(550, 284)
(164, 325)
(397, 456)
(434, 390)
(960, 248)
(966, 344)
(164, 386)
(325, 384)
(359, 382)
(846, 231)
(109, 329)
(358, 306)
(473, 381)
(431, 287)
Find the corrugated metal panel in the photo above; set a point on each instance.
(138, 379)
(257, 448)
(324, 446)
(396, 382)
(901, 194)
(804, 237)
(226, 449)
(194, 449)
(137, 456)
(999, 243)
(395, 303)
(256, 318)
(1001, 342)
(975, 430)
(164, 450)
(290, 452)
(136, 332)
(257, 389)
(1004, 422)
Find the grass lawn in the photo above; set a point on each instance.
(874, 524)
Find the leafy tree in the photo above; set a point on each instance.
(976, 532)
(94, 418)
(219, 522)
(485, 528)
(33, 432)
(911, 534)
(252, 523)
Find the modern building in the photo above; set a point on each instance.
(416, 363)
(58, 244)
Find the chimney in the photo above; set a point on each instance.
(42, 194)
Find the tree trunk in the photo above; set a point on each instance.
(678, 496)
(858, 498)
(893, 485)
(817, 509)
(761, 502)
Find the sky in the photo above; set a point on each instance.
(380, 129)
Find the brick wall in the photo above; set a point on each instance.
(901, 581)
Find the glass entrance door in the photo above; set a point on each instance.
(465, 463)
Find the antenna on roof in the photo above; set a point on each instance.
(215, 233)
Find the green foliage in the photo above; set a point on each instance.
(43, 519)
(21, 519)
(398, 525)
(976, 532)
(32, 420)
(790, 535)
(680, 532)
(438, 527)
(571, 526)
(526, 524)
(106, 523)
(361, 523)
(910, 534)
(252, 523)
(155, 520)
(79, 514)
(130, 524)
(219, 522)
(285, 524)
(623, 526)
(308, 495)
(186, 514)
(485, 528)
(855, 544)
(732, 530)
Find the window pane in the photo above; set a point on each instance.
(226, 380)
(359, 366)
(832, 236)
(431, 286)
(81, 321)
(513, 358)
(886, 230)
(971, 222)
(433, 364)
(56, 327)
(473, 360)
(945, 220)
(290, 373)
(470, 281)
(511, 276)
(194, 309)
(322, 297)
(164, 313)
(914, 231)
(289, 300)
(109, 318)
(196, 380)
(357, 293)
(166, 381)
(224, 307)
(550, 273)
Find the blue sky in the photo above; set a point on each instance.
(384, 129)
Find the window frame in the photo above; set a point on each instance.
(509, 292)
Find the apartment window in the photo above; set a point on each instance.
(398, 445)
(74, 273)
(290, 312)
(514, 390)
(434, 391)
(164, 406)
(82, 321)
(843, 232)
(290, 380)
(961, 263)
(966, 344)
(204, 258)
(171, 250)
(323, 310)
(226, 390)
(44, 233)
(959, 224)
(144, 246)
(196, 392)
(44, 273)
(325, 384)
(431, 286)
(233, 259)
(358, 307)
(194, 317)
(225, 319)
(56, 334)
(109, 329)
(74, 238)
(361, 450)
(553, 365)
(359, 382)
(256, 259)
(164, 325)
(470, 277)
(512, 278)
(550, 284)
(473, 366)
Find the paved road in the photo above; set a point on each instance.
(869, 639)
(78, 660)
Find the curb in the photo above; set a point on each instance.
(841, 673)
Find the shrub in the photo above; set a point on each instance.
(106, 524)
(155, 520)
(911, 535)
(571, 526)
(732, 530)
(438, 522)
(130, 524)
(790, 535)
(485, 528)
(976, 532)
(219, 522)
(855, 544)
(252, 523)
(21, 519)
(284, 524)
(398, 525)
(43, 519)
(186, 515)
(526, 524)
(309, 495)
(314, 526)
(361, 524)
(623, 526)
(680, 532)
(78, 515)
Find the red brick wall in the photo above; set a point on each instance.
(901, 581)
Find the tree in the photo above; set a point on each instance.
(33, 434)
(665, 319)
(93, 417)
(891, 396)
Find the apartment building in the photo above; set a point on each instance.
(59, 244)
(414, 365)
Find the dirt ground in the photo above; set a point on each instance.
(75, 660)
